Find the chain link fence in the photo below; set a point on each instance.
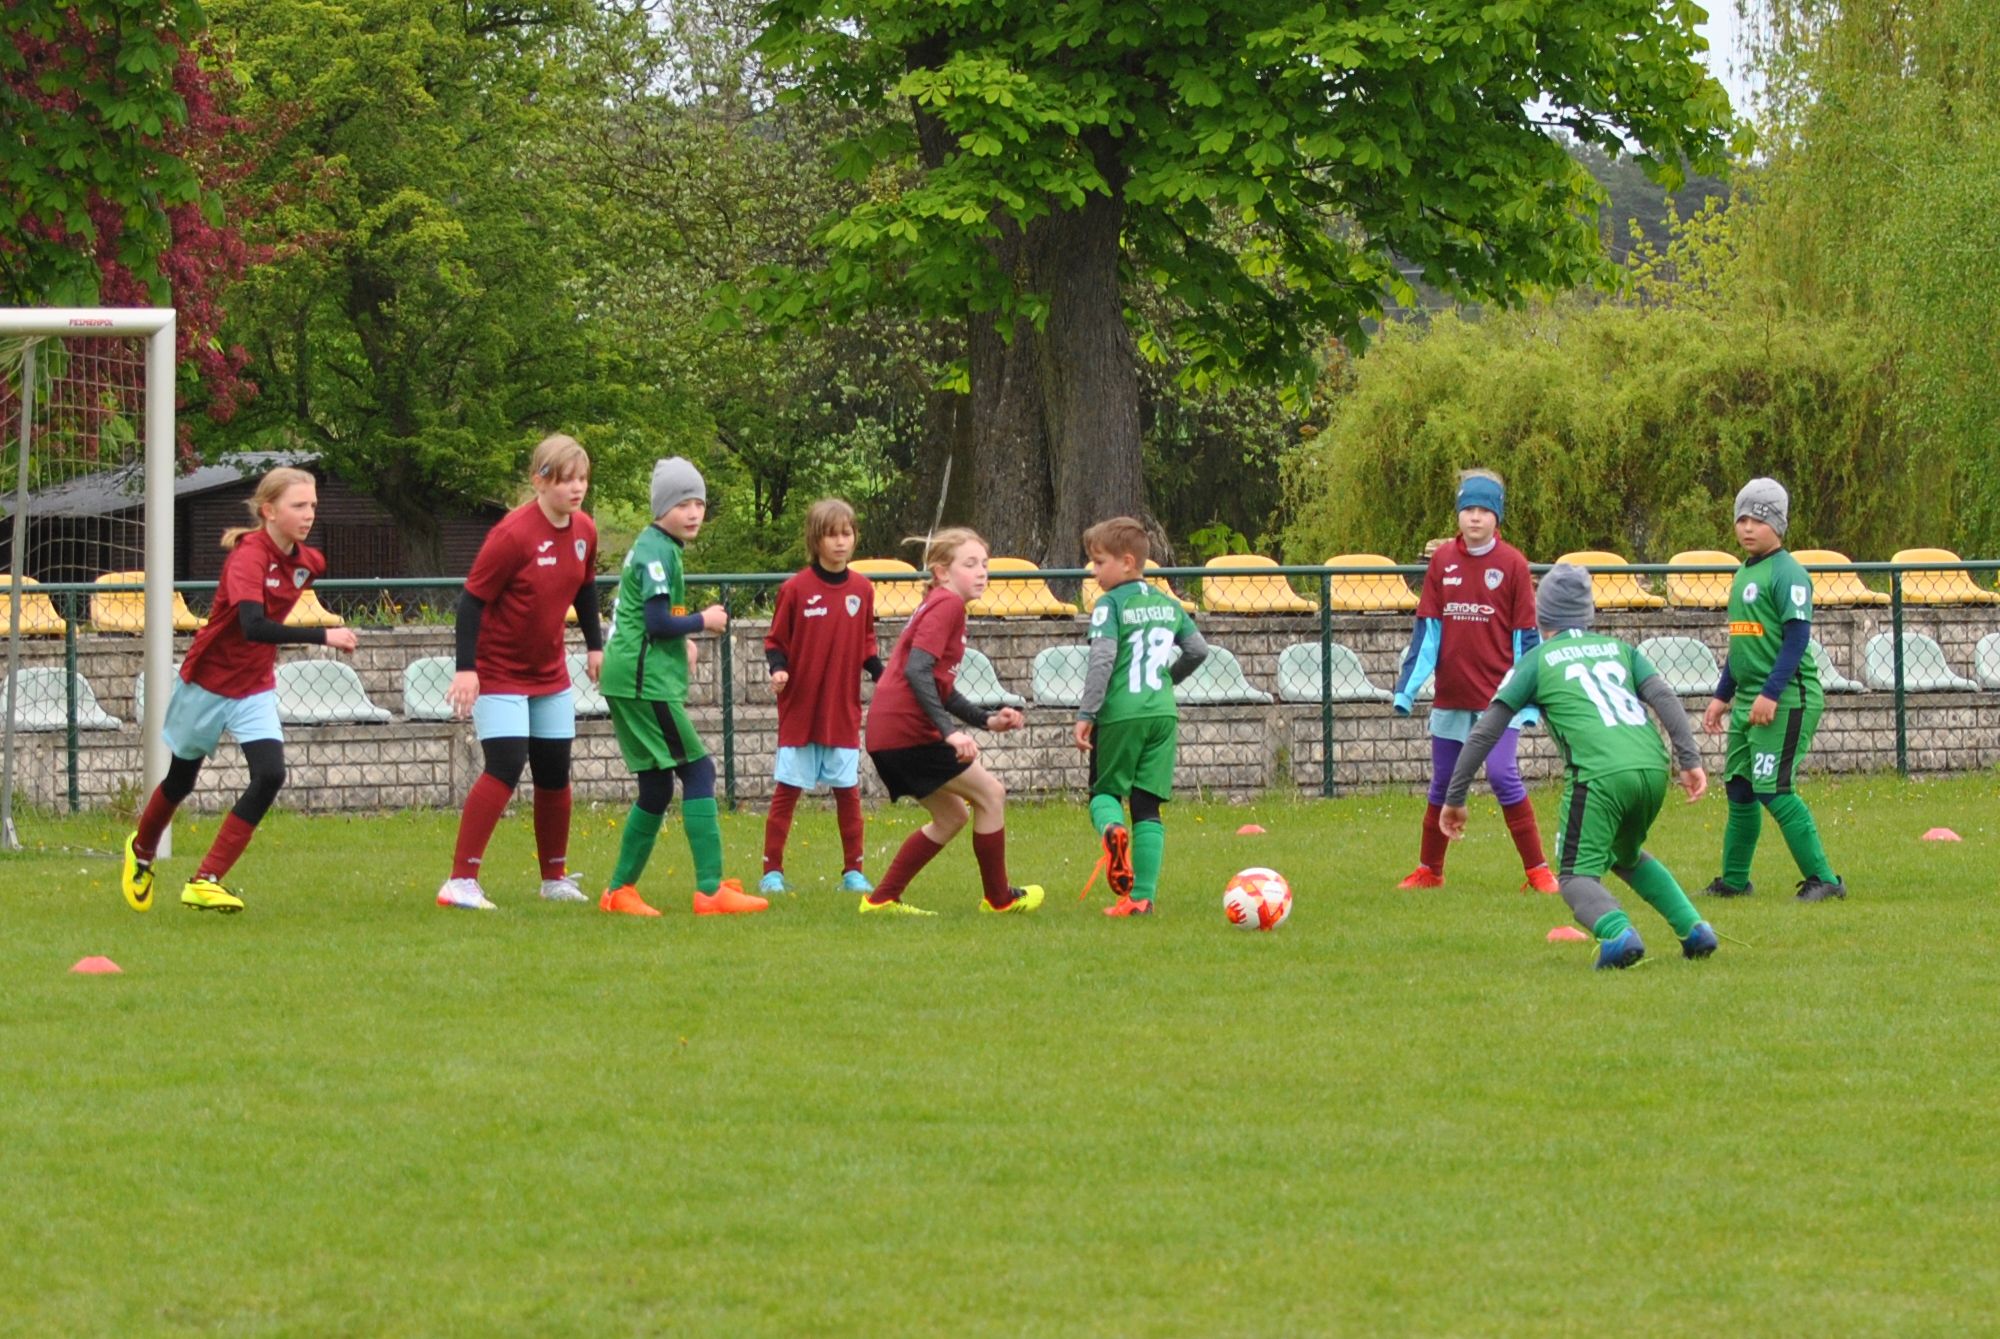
(1296, 692)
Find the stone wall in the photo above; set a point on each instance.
(1228, 751)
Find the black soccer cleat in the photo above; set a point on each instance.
(1721, 889)
(1819, 890)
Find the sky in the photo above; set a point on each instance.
(1724, 31)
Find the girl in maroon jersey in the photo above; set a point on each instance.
(919, 750)
(513, 675)
(822, 639)
(229, 682)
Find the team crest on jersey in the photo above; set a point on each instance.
(1799, 597)
(1749, 592)
(1493, 578)
(853, 605)
(1099, 614)
(579, 550)
(299, 575)
(657, 571)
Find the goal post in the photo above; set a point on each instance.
(32, 328)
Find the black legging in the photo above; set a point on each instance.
(266, 758)
(656, 786)
(546, 759)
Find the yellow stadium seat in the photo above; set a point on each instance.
(1834, 589)
(893, 599)
(38, 612)
(1700, 590)
(1613, 590)
(1369, 593)
(1024, 597)
(1940, 587)
(1087, 597)
(1252, 593)
(310, 613)
(125, 610)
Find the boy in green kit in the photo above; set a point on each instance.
(1770, 636)
(1593, 691)
(1142, 643)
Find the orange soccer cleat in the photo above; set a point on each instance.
(1126, 906)
(1423, 876)
(728, 900)
(1118, 860)
(625, 901)
(1541, 879)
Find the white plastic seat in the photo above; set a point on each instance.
(1831, 680)
(318, 692)
(1217, 681)
(980, 683)
(424, 685)
(1300, 675)
(588, 697)
(1986, 661)
(1685, 663)
(1056, 675)
(1925, 669)
(42, 701)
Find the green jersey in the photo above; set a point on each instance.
(1148, 626)
(1587, 687)
(1766, 593)
(654, 669)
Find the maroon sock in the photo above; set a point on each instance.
(1527, 837)
(1435, 843)
(778, 825)
(153, 820)
(918, 850)
(847, 806)
(990, 848)
(230, 840)
(552, 831)
(484, 804)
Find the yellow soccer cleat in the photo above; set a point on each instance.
(1024, 901)
(137, 878)
(208, 895)
(895, 906)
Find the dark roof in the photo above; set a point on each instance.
(124, 488)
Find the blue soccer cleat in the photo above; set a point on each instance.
(1700, 941)
(772, 883)
(854, 881)
(1622, 950)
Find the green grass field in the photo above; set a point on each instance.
(349, 1112)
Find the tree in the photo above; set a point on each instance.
(1258, 163)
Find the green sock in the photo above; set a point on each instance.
(1611, 924)
(1739, 842)
(704, 836)
(635, 846)
(1149, 851)
(1802, 836)
(1656, 883)
(1104, 811)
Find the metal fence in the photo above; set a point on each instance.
(1312, 642)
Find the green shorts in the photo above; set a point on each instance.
(1134, 755)
(1767, 755)
(1605, 821)
(654, 736)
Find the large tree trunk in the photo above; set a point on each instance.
(1087, 365)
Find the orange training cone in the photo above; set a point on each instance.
(97, 966)
(1942, 835)
(1564, 933)
(1249, 830)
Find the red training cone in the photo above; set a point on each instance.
(1942, 835)
(1249, 830)
(1564, 933)
(96, 966)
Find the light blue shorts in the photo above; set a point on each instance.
(810, 766)
(1456, 723)
(196, 719)
(518, 716)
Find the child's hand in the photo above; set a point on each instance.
(1005, 719)
(964, 745)
(1763, 711)
(464, 691)
(1451, 821)
(1711, 719)
(1695, 782)
(593, 665)
(1084, 731)
(694, 651)
(342, 639)
(779, 678)
(715, 618)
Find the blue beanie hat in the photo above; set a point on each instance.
(1479, 491)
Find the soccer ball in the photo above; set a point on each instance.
(1257, 899)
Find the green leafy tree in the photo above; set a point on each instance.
(1260, 165)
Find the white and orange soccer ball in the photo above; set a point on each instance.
(1257, 899)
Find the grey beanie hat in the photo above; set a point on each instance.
(1563, 600)
(1765, 500)
(675, 480)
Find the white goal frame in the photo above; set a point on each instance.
(157, 325)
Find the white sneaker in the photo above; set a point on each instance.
(465, 894)
(564, 889)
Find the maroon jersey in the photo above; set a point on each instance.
(257, 571)
(826, 630)
(895, 721)
(1479, 602)
(527, 574)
